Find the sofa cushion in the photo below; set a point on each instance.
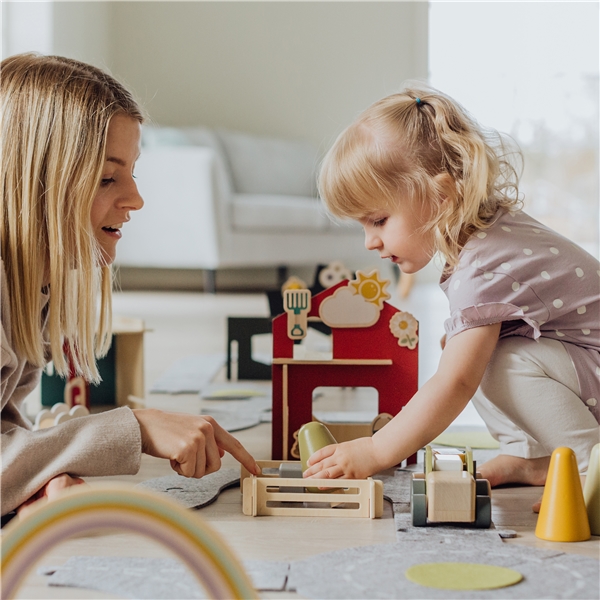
(261, 165)
(276, 213)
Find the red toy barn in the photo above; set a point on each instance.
(362, 356)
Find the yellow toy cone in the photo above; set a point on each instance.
(563, 517)
(591, 490)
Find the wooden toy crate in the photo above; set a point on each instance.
(272, 495)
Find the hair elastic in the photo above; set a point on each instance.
(418, 101)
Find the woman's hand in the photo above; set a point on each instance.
(349, 460)
(193, 444)
(49, 491)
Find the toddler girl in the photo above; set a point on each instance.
(70, 140)
(523, 337)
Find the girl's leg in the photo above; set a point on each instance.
(529, 399)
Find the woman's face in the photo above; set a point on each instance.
(118, 194)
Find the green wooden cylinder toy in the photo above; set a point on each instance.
(312, 437)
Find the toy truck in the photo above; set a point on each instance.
(450, 491)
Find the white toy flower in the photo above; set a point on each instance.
(404, 326)
(333, 273)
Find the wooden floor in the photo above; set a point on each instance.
(185, 324)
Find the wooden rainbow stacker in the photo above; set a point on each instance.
(270, 494)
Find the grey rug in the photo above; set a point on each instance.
(378, 571)
(191, 492)
(152, 578)
(189, 375)
(365, 572)
(235, 415)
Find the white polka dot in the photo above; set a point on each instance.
(536, 230)
(554, 250)
(481, 235)
(558, 303)
(515, 286)
(545, 275)
(524, 308)
(579, 272)
(505, 228)
(559, 333)
(488, 275)
(506, 266)
(585, 331)
(456, 284)
(591, 401)
(476, 263)
(581, 310)
(527, 251)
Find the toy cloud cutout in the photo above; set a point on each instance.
(347, 309)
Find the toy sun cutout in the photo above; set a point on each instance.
(371, 288)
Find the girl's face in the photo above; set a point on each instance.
(396, 234)
(118, 194)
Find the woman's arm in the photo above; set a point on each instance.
(427, 414)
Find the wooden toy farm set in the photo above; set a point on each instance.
(373, 345)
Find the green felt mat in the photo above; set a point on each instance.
(460, 439)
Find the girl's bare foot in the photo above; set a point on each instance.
(513, 469)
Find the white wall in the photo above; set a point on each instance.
(299, 69)
(81, 31)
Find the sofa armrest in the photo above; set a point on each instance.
(183, 212)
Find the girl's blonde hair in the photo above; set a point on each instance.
(55, 114)
(422, 144)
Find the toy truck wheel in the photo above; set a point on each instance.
(483, 512)
(418, 509)
(482, 487)
(418, 503)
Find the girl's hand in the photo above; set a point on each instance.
(349, 460)
(193, 444)
(49, 491)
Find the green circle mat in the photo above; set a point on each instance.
(462, 576)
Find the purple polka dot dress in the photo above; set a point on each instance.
(535, 282)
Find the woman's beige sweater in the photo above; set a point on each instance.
(108, 443)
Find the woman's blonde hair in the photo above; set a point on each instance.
(55, 114)
(422, 144)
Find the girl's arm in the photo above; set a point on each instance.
(429, 412)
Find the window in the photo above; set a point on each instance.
(530, 69)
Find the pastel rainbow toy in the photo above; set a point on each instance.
(110, 506)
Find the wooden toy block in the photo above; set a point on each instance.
(265, 495)
(448, 462)
(451, 497)
(450, 491)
